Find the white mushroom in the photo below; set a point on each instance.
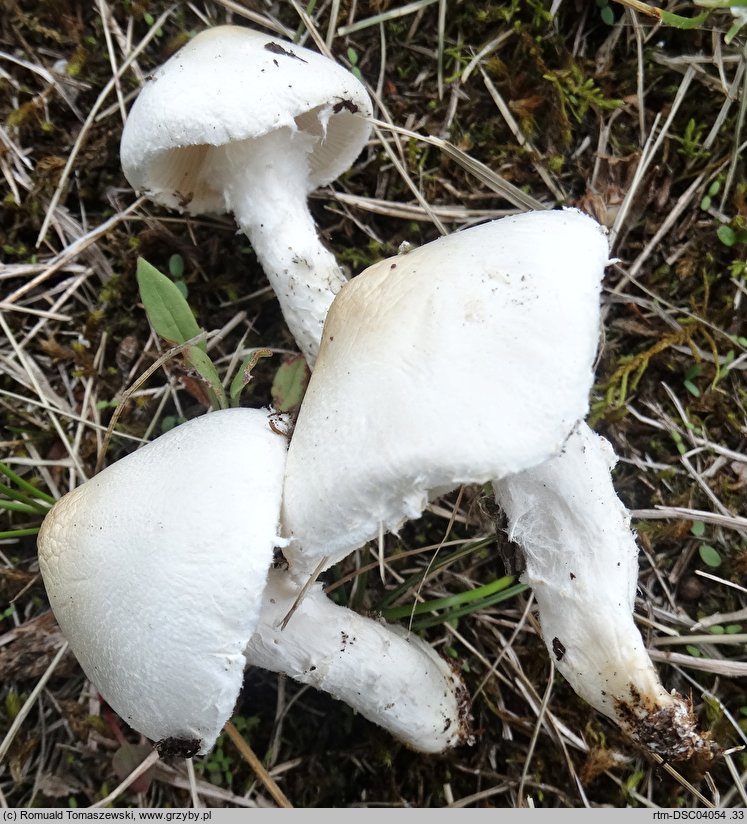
(239, 121)
(462, 361)
(466, 361)
(389, 675)
(156, 571)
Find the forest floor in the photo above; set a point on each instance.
(580, 104)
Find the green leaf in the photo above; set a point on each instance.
(200, 361)
(692, 388)
(677, 438)
(290, 384)
(168, 422)
(733, 629)
(608, 16)
(176, 267)
(166, 307)
(679, 22)
(244, 376)
(726, 235)
(698, 529)
(709, 555)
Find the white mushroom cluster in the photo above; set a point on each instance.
(166, 598)
(468, 360)
(477, 351)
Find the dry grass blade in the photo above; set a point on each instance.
(119, 790)
(650, 150)
(717, 666)
(382, 17)
(89, 121)
(247, 753)
(304, 589)
(737, 522)
(154, 367)
(483, 173)
(29, 703)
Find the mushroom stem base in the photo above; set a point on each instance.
(582, 562)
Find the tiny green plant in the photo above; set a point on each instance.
(713, 190)
(605, 12)
(172, 318)
(689, 380)
(353, 58)
(176, 270)
(709, 556)
(730, 236)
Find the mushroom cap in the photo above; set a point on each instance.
(462, 361)
(232, 83)
(155, 569)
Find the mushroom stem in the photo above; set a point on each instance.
(582, 563)
(265, 182)
(388, 675)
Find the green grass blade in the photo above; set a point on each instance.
(468, 609)
(442, 561)
(19, 506)
(460, 599)
(18, 497)
(19, 533)
(24, 484)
